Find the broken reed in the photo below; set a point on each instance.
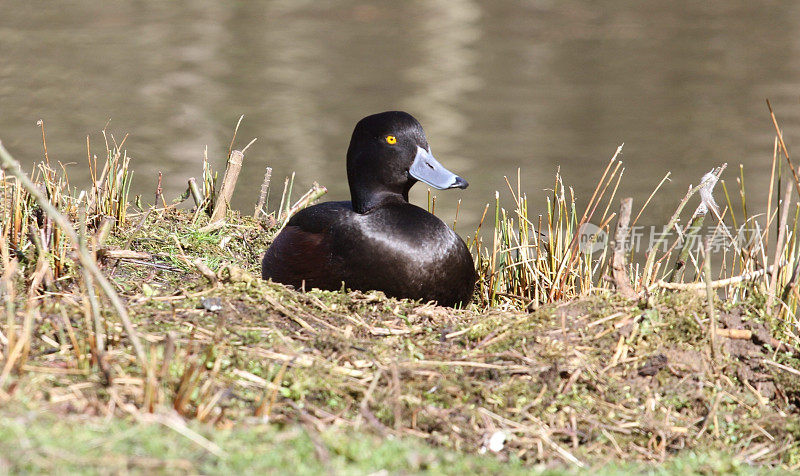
(26, 226)
(108, 196)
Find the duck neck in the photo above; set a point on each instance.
(366, 199)
(370, 184)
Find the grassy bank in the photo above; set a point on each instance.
(128, 328)
(75, 445)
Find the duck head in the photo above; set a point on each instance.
(388, 154)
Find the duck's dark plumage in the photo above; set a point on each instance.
(378, 241)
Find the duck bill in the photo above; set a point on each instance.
(426, 168)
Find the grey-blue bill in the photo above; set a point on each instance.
(427, 169)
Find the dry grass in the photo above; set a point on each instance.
(547, 359)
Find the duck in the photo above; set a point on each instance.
(378, 240)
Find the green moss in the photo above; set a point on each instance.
(40, 443)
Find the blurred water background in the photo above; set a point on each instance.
(498, 85)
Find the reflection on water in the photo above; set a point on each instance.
(497, 85)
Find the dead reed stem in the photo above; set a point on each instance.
(710, 299)
(783, 148)
(94, 305)
(195, 192)
(618, 266)
(160, 191)
(262, 196)
(232, 170)
(720, 283)
(787, 196)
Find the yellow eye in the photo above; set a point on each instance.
(391, 139)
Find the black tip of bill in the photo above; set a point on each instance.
(460, 183)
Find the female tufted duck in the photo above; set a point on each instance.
(379, 241)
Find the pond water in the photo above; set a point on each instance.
(498, 85)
